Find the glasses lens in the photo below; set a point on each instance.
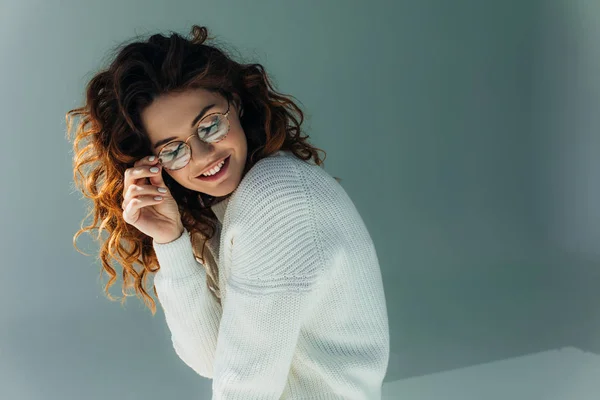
(175, 155)
(211, 129)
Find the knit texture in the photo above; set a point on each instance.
(303, 311)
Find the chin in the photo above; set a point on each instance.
(223, 189)
(218, 193)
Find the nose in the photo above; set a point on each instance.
(200, 152)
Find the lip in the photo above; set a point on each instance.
(220, 174)
(213, 165)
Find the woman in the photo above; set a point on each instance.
(268, 278)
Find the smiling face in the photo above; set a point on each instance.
(175, 117)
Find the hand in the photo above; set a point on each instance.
(159, 219)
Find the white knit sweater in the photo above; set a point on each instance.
(303, 311)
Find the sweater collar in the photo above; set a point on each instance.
(220, 208)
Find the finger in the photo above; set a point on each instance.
(138, 190)
(132, 207)
(129, 210)
(131, 192)
(146, 161)
(139, 171)
(157, 179)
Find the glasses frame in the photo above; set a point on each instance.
(225, 114)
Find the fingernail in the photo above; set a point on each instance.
(151, 158)
(154, 169)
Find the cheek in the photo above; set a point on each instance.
(237, 135)
(230, 140)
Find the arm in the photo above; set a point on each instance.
(271, 286)
(191, 312)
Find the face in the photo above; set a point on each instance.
(171, 116)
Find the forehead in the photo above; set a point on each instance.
(171, 114)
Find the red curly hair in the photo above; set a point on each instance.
(112, 139)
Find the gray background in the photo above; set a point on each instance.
(466, 133)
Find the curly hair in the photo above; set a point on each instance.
(110, 138)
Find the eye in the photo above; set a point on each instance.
(208, 130)
(171, 153)
(173, 149)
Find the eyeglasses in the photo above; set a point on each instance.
(212, 128)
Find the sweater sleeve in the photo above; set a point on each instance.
(191, 312)
(271, 287)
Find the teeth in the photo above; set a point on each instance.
(215, 169)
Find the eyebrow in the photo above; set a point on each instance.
(194, 122)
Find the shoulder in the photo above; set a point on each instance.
(273, 223)
(282, 163)
(273, 184)
(280, 179)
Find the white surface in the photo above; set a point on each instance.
(564, 374)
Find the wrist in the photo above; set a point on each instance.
(170, 238)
